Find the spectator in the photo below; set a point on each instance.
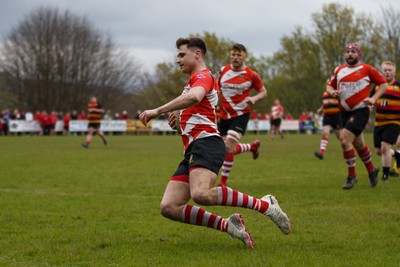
(28, 116)
(5, 120)
(45, 123)
(265, 117)
(124, 115)
(303, 121)
(66, 119)
(53, 118)
(288, 117)
(108, 115)
(17, 115)
(82, 115)
(137, 114)
(74, 115)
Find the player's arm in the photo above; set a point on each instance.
(98, 110)
(369, 101)
(191, 98)
(251, 100)
(332, 91)
(319, 110)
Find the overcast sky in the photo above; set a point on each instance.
(149, 28)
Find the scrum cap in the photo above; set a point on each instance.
(355, 47)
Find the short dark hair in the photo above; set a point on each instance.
(192, 42)
(239, 47)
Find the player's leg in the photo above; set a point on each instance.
(279, 129)
(231, 139)
(235, 132)
(272, 131)
(324, 141)
(395, 171)
(203, 194)
(102, 136)
(253, 147)
(346, 140)
(365, 155)
(174, 206)
(386, 157)
(176, 196)
(88, 137)
(390, 133)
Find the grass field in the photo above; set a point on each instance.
(62, 205)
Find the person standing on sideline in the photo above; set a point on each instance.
(193, 115)
(387, 120)
(276, 119)
(236, 81)
(331, 120)
(351, 83)
(95, 112)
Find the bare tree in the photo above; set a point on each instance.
(391, 28)
(57, 61)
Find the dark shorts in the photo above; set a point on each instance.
(94, 125)
(206, 152)
(386, 133)
(237, 124)
(335, 121)
(276, 122)
(356, 120)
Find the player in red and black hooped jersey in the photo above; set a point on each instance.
(95, 114)
(387, 120)
(204, 152)
(331, 120)
(351, 83)
(236, 81)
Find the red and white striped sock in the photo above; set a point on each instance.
(323, 144)
(350, 158)
(365, 156)
(198, 216)
(230, 197)
(226, 167)
(241, 148)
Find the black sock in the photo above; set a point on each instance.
(386, 171)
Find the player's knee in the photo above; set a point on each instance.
(201, 197)
(166, 210)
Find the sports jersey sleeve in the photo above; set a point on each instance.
(376, 77)
(256, 81)
(203, 80)
(332, 80)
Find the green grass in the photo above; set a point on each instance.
(62, 205)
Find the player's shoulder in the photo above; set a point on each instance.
(225, 68)
(253, 73)
(203, 75)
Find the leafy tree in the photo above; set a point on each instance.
(302, 65)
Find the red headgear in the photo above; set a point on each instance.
(355, 47)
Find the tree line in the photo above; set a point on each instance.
(56, 60)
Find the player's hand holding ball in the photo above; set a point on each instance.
(173, 121)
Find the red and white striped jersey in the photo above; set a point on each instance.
(276, 112)
(354, 84)
(198, 121)
(235, 87)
